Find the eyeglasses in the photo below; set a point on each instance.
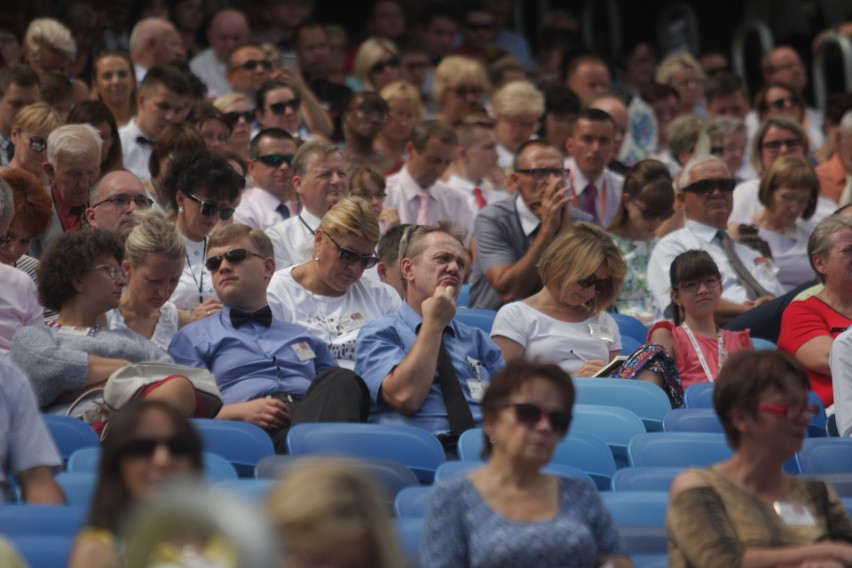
(800, 200)
(38, 144)
(208, 208)
(653, 214)
(124, 201)
(541, 174)
(463, 91)
(279, 108)
(234, 256)
(706, 186)
(350, 257)
(790, 411)
(253, 64)
(380, 66)
(369, 196)
(710, 282)
(113, 270)
(790, 144)
(602, 285)
(275, 160)
(5, 240)
(781, 104)
(529, 415)
(145, 447)
(234, 117)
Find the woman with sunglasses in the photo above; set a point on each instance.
(327, 295)
(203, 189)
(566, 322)
(647, 200)
(150, 444)
(377, 64)
(30, 129)
(747, 511)
(509, 513)
(239, 111)
(176, 140)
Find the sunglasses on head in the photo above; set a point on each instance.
(529, 415)
(350, 257)
(38, 144)
(275, 160)
(234, 256)
(253, 64)
(234, 117)
(145, 447)
(209, 209)
(380, 66)
(279, 108)
(602, 285)
(653, 215)
(706, 186)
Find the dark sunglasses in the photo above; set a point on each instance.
(653, 215)
(380, 66)
(279, 108)
(208, 208)
(234, 117)
(38, 144)
(275, 160)
(602, 285)
(253, 64)
(706, 186)
(790, 144)
(781, 104)
(347, 256)
(234, 256)
(145, 447)
(529, 415)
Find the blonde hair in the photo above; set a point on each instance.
(48, 34)
(37, 117)
(351, 216)
(455, 69)
(225, 101)
(153, 234)
(576, 253)
(369, 53)
(325, 502)
(674, 63)
(518, 98)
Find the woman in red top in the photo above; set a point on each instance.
(808, 327)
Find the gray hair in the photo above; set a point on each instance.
(683, 134)
(73, 140)
(684, 175)
(7, 201)
(820, 241)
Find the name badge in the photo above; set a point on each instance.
(352, 322)
(601, 332)
(477, 389)
(794, 514)
(303, 351)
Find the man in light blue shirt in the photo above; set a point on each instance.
(399, 355)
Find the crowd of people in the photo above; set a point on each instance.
(296, 211)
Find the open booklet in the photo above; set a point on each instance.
(611, 367)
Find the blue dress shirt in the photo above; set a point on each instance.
(383, 344)
(252, 361)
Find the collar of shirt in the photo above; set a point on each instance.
(467, 186)
(702, 232)
(265, 199)
(410, 188)
(413, 319)
(579, 181)
(135, 132)
(529, 222)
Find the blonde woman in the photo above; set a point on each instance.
(239, 111)
(30, 129)
(459, 86)
(518, 108)
(377, 64)
(683, 72)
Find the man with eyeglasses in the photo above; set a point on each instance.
(509, 236)
(228, 29)
(705, 192)
(272, 199)
(113, 201)
(270, 373)
(248, 69)
(162, 99)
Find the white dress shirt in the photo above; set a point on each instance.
(212, 72)
(504, 157)
(136, 154)
(489, 193)
(258, 208)
(445, 203)
(19, 305)
(293, 239)
(609, 181)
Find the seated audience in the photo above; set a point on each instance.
(518, 107)
(113, 202)
(212, 124)
(287, 103)
(239, 110)
(459, 86)
(475, 162)
(728, 137)
(329, 295)
(566, 321)
(475, 520)
(747, 510)
(684, 73)
(376, 64)
(363, 117)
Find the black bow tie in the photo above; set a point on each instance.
(142, 141)
(263, 316)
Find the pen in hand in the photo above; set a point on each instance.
(578, 356)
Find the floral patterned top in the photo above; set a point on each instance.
(635, 298)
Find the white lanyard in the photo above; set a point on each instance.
(723, 355)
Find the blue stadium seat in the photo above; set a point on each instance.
(44, 551)
(475, 317)
(463, 301)
(637, 508)
(410, 503)
(677, 449)
(826, 455)
(78, 487)
(240, 443)
(644, 478)
(692, 420)
(70, 434)
(612, 424)
(647, 401)
(629, 345)
(84, 460)
(761, 344)
(46, 520)
(699, 395)
(251, 490)
(409, 531)
(629, 326)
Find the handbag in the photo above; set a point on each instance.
(128, 382)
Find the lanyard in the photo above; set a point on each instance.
(198, 281)
(720, 343)
(308, 227)
(601, 189)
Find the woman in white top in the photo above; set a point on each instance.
(154, 257)
(327, 295)
(204, 189)
(566, 323)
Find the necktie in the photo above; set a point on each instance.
(458, 411)
(263, 316)
(423, 217)
(590, 201)
(480, 200)
(753, 288)
(283, 210)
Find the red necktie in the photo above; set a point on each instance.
(480, 200)
(590, 197)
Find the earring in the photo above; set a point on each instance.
(316, 258)
(180, 210)
(492, 439)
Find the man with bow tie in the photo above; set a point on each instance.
(269, 372)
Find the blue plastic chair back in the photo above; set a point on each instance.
(826, 455)
(78, 487)
(629, 345)
(630, 326)
(46, 520)
(84, 460)
(816, 427)
(699, 395)
(217, 468)
(649, 402)
(677, 449)
(415, 448)
(470, 444)
(240, 443)
(637, 508)
(70, 434)
(612, 424)
(761, 344)
(644, 478)
(252, 490)
(409, 531)
(463, 301)
(44, 551)
(692, 420)
(410, 503)
(475, 317)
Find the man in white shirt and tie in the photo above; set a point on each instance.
(272, 199)
(228, 29)
(476, 158)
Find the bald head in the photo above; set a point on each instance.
(114, 200)
(228, 29)
(155, 41)
(783, 65)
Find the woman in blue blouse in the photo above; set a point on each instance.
(509, 513)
